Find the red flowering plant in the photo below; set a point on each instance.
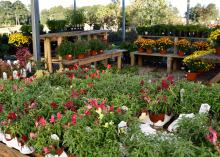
(159, 95)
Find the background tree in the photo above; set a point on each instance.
(201, 14)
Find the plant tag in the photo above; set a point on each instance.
(204, 108)
(5, 77)
(122, 127)
(28, 67)
(15, 74)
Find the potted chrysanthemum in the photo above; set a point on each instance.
(214, 39)
(163, 44)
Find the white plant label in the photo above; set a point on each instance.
(5, 77)
(204, 108)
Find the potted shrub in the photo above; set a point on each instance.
(56, 25)
(80, 49)
(96, 46)
(149, 45)
(195, 67)
(183, 46)
(163, 44)
(214, 39)
(66, 50)
(160, 100)
(76, 20)
(139, 43)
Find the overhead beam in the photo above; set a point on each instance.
(35, 19)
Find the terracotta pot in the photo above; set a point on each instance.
(59, 151)
(69, 57)
(71, 155)
(163, 51)
(100, 51)
(140, 50)
(181, 53)
(149, 50)
(156, 117)
(217, 49)
(93, 53)
(191, 76)
(81, 56)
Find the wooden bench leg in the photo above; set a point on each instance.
(175, 65)
(140, 62)
(216, 79)
(169, 64)
(119, 61)
(132, 59)
(105, 62)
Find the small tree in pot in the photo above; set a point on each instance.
(66, 50)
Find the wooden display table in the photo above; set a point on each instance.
(212, 58)
(116, 53)
(171, 65)
(59, 37)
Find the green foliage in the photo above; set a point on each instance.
(97, 45)
(75, 17)
(80, 47)
(66, 47)
(56, 25)
(4, 48)
(193, 129)
(27, 29)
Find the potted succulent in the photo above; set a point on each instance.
(214, 39)
(80, 49)
(139, 43)
(163, 44)
(183, 46)
(96, 46)
(160, 100)
(149, 45)
(195, 67)
(66, 50)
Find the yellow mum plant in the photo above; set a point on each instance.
(183, 44)
(148, 43)
(18, 39)
(139, 42)
(200, 45)
(214, 38)
(164, 43)
(195, 65)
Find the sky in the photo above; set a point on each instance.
(180, 4)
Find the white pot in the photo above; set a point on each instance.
(2, 136)
(11, 142)
(26, 149)
(63, 154)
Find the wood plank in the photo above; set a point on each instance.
(73, 33)
(9, 152)
(48, 52)
(132, 58)
(216, 79)
(169, 64)
(156, 54)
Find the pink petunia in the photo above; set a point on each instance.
(33, 135)
(59, 116)
(52, 119)
(12, 116)
(165, 84)
(111, 109)
(119, 110)
(1, 108)
(74, 117)
(42, 121)
(46, 150)
(15, 87)
(87, 113)
(75, 94)
(109, 66)
(212, 136)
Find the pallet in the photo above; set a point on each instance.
(9, 152)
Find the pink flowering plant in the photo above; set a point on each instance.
(158, 95)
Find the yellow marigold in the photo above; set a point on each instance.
(200, 45)
(139, 42)
(148, 43)
(183, 44)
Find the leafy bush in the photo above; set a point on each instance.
(56, 25)
(65, 48)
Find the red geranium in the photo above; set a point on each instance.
(12, 116)
(53, 105)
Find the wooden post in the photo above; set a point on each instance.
(169, 64)
(95, 37)
(132, 58)
(175, 64)
(79, 37)
(140, 62)
(45, 54)
(175, 51)
(48, 53)
(59, 41)
(119, 61)
(89, 37)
